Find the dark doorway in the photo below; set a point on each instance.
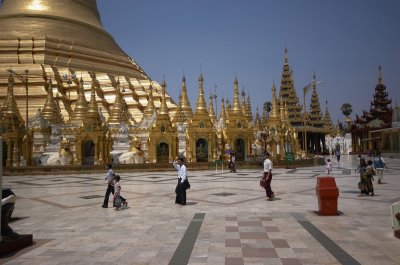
(163, 153)
(88, 153)
(201, 150)
(239, 150)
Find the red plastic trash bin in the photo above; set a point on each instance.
(327, 193)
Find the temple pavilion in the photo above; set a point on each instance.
(376, 129)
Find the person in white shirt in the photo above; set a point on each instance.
(329, 166)
(110, 188)
(267, 177)
(180, 189)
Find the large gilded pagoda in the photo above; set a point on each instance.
(95, 86)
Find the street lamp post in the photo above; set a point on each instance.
(24, 79)
(215, 96)
(264, 135)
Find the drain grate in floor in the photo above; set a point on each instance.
(91, 197)
(223, 194)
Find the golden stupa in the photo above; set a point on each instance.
(65, 42)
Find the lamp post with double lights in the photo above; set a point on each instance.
(24, 79)
(215, 96)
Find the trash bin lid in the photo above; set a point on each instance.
(324, 182)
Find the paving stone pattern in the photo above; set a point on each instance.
(239, 226)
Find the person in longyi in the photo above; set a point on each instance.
(265, 181)
(179, 165)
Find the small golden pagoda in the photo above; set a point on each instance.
(238, 132)
(202, 142)
(11, 124)
(162, 141)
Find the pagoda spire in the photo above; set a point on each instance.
(81, 107)
(249, 113)
(150, 108)
(93, 108)
(11, 116)
(185, 103)
(327, 118)
(201, 107)
(180, 114)
(119, 112)
(380, 104)
(380, 79)
(223, 110)
(315, 108)
(286, 56)
(163, 108)
(51, 109)
(236, 104)
(288, 92)
(228, 108)
(243, 103)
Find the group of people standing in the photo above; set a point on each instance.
(368, 169)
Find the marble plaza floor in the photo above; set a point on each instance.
(227, 219)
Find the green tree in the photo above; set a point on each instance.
(347, 109)
(268, 106)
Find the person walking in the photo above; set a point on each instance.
(337, 153)
(117, 193)
(110, 188)
(379, 165)
(329, 166)
(358, 163)
(265, 181)
(232, 163)
(180, 190)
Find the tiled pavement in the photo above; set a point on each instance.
(227, 219)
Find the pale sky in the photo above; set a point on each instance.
(343, 42)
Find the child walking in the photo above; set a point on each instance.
(329, 166)
(117, 193)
